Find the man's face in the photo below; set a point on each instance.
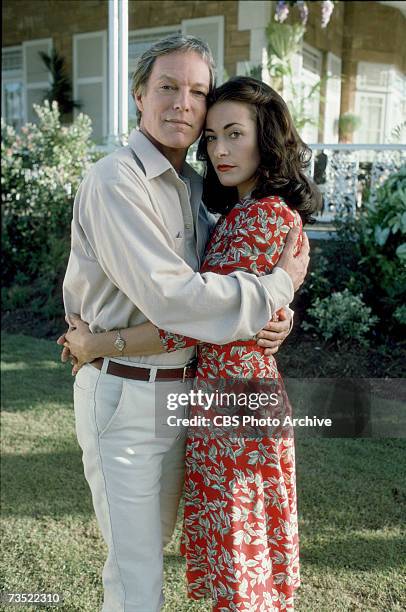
(173, 104)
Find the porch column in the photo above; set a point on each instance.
(117, 70)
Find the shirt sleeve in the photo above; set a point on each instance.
(135, 250)
(257, 243)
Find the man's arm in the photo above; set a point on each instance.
(133, 246)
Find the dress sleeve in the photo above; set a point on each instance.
(174, 342)
(259, 237)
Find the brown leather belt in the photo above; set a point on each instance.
(119, 369)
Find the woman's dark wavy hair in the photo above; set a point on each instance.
(284, 156)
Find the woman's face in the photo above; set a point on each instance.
(232, 144)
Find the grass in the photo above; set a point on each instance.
(351, 493)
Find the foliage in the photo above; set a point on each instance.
(341, 317)
(368, 257)
(348, 123)
(42, 168)
(383, 237)
(284, 41)
(61, 87)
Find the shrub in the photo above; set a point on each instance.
(368, 256)
(342, 318)
(383, 239)
(42, 168)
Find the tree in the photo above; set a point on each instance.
(61, 86)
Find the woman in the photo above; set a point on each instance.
(240, 528)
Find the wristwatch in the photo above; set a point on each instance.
(119, 342)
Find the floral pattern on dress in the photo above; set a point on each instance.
(240, 535)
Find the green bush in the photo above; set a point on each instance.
(41, 171)
(342, 318)
(383, 238)
(368, 256)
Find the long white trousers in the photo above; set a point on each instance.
(135, 474)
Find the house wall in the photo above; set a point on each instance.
(60, 19)
(64, 18)
(380, 39)
(358, 30)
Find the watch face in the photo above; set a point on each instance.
(119, 344)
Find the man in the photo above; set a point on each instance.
(138, 236)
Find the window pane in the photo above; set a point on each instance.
(13, 101)
(34, 96)
(91, 98)
(89, 57)
(11, 60)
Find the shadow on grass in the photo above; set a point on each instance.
(355, 552)
(32, 385)
(44, 484)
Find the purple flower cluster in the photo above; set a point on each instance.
(303, 11)
(327, 8)
(282, 11)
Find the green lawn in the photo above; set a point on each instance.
(351, 495)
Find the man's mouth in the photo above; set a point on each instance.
(224, 168)
(178, 122)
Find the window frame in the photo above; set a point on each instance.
(77, 81)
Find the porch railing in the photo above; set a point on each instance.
(349, 175)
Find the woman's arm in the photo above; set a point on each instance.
(140, 339)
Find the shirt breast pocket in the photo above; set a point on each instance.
(179, 243)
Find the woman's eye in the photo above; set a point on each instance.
(210, 138)
(235, 134)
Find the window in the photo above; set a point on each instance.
(211, 30)
(332, 99)
(90, 80)
(378, 101)
(311, 71)
(12, 90)
(35, 73)
(302, 96)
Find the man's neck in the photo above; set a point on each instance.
(175, 156)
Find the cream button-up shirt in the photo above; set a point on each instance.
(138, 239)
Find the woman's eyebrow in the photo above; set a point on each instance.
(225, 127)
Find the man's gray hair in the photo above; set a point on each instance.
(171, 44)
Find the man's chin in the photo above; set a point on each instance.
(180, 141)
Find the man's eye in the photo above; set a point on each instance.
(200, 93)
(167, 87)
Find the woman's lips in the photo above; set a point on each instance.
(224, 168)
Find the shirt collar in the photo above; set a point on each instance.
(153, 161)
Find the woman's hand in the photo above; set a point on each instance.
(78, 343)
(275, 332)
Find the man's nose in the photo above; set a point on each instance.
(182, 100)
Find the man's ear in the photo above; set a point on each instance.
(138, 101)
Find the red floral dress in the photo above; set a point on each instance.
(240, 532)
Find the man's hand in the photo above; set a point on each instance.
(297, 266)
(66, 355)
(275, 332)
